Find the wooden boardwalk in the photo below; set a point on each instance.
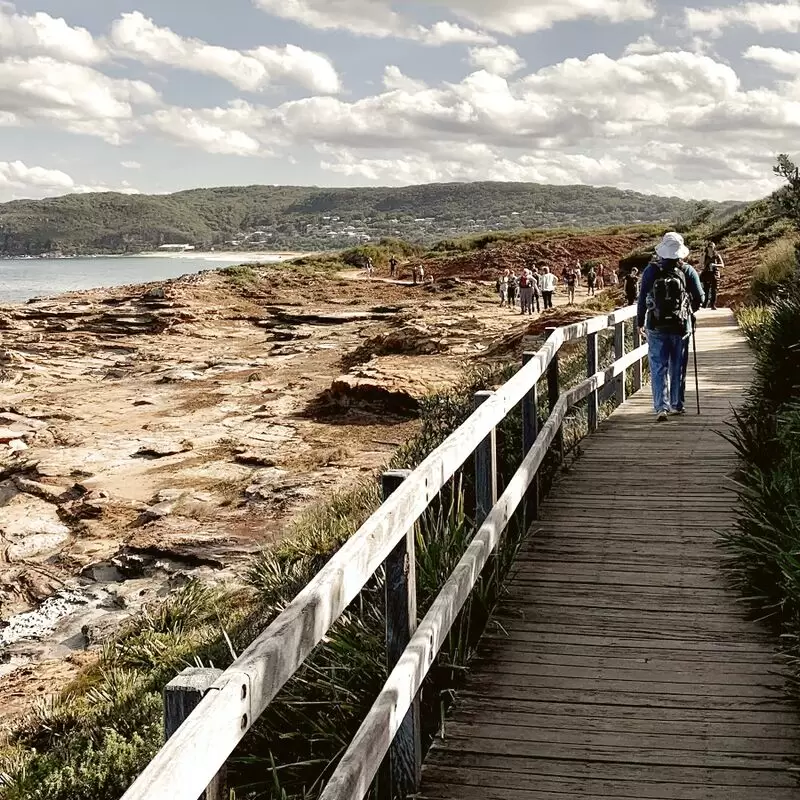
(621, 665)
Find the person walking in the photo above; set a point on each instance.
(370, 268)
(601, 277)
(502, 288)
(632, 286)
(668, 297)
(392, 267)
(548, 285)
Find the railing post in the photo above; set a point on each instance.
(404, 766)
(530, 430)
(181, 696)
(592, 357)
(485, 469)
(637, 367)
(619, 352)
(553, 393)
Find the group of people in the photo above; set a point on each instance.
(531, 285)
(533, 289)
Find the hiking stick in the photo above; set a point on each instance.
(694, 348)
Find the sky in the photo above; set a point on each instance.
(659, 96)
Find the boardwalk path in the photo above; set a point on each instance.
(621, 665)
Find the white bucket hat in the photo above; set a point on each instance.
(672, 247)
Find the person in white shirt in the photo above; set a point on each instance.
(548, 283)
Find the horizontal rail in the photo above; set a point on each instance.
(188, 762)
(361, 761)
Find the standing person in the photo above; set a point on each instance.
(669, 295)
(572, 280)
(548, 285)
(512, 290)
(392, 267)
(591, 281)
(614, 277)
(632, 286)
(537, 291)
(414, 273)
(710, 275)
(526, 292)
(502, 288)
(370, 267)
(421, 273)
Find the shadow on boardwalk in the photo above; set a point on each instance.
(621, 666)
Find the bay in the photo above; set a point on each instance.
(22, 279)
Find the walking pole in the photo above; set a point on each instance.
(694, 347)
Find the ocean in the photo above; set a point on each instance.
(24, 278)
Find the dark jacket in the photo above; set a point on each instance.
(693, 287)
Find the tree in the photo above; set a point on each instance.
(788, 197)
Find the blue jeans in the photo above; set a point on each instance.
(669, 356)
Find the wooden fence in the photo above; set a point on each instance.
(207, 713)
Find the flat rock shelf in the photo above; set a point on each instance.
(621, 664)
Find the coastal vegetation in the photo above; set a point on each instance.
(309, 218)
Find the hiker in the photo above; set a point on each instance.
(548, 283)
(526, 292)
(512, 290)
(632, 286)
(537, 292)
(614, 278)
(601, 277)
(572, 279)
(370, 268)
(712, 264)
(502, 288)
(414, 274)
(669, 295)
(421, 273)
(591, 282)
(392, 267)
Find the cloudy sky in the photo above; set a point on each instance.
(158, 95)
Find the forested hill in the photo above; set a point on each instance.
(309, 218)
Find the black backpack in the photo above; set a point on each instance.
(670, 299)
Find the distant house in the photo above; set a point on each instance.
(177, 247)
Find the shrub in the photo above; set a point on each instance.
(778, 268)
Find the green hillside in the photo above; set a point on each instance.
(309, 218)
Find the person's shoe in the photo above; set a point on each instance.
(678, 412)
(662, 416)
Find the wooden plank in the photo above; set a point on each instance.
(404, 766)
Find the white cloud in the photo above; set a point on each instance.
(42, 35)
(379, 17)
(375, 18)
(787, 61)
(499, 60)
(764, 17)
(135, 36)
(217, 131)
(130, 164)
(394, 78)
(644, 45)
(17, 180)
(72, 97)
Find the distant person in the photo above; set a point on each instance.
(513, 288)
(526, 292)
(414, 274)
(632, 286)
(614, 277)
(591, 282)
(548, 284)
(537, 291)
(572, 280)
(578, 271)
(710, 274)
(669, 295)
(392, 267)
(370, 268)
(601, 277)
(502, 288)
(421, 273)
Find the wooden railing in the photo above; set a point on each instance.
(208, 713)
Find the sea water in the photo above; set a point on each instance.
(24, 278)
